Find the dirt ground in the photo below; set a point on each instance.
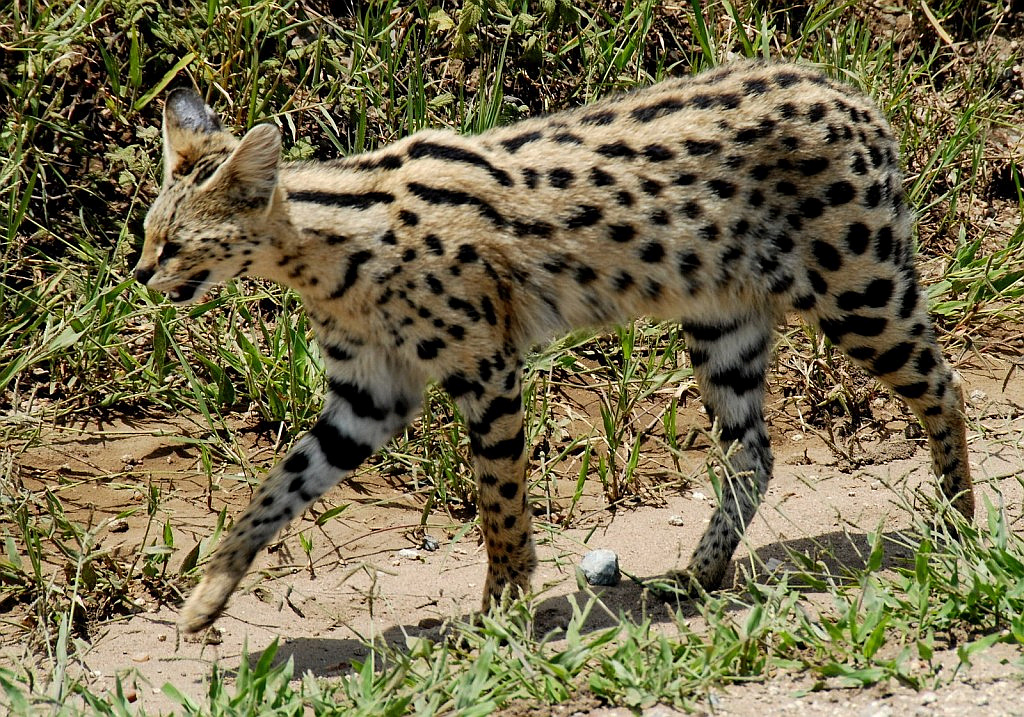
(369, 575)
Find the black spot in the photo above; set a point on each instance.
(554, 265)
(409, 255)
(434, 245)
(787, 79)
(659, 217)
(530, 176)
(878, 293)
(340, 450)
(514, 144)
(623, 280)
(566, 138)
(827, 255)
(651, 187)
(435, 286)
(925, 362)
(585, 215)
(700, 148)
(810, 167)
(388, 237)
(465, 307)
(912, 390)
(811, 208)
(787, 188)
(658, 153)
(817, 112)
(791, 143)
(779, 284)
(708, 332)
(621, 232)
(295, 463)
(484, 369)
(337, 352)
(760, 172)
(652, 289)
(585, 274)
(840, 193)
(873, 196)
(540, 228)
(488, 308)
(857, 236)
(601, 178)
(710, 232)
(685, 179)
(624, 198)
(428, 349)
(722, 188)
(599, 118)
(467, 254)
(817, 282)
(688, 263)
(783, 242)
(508, 449)
(457, 385)
(409, 219)
(456, 332)
(894, 359)
(358, 399)
(883, 243)
(756, 198)
(805, 302)
(560, 178)
(692, 209)
(652, 252)
(616, 150)
(835, 329)
(659, 109)
(509, 490)
(909, 300)
(755, 86)
(861, 353)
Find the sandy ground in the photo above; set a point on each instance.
(359, 586)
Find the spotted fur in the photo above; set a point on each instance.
(723, 201)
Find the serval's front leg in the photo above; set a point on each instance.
(494, 412)
(356, 421)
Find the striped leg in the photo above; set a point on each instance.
(730, 358)
(355, 422)
(494, 413)
(897, 345)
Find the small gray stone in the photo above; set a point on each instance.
(601, 567)
(430, 543)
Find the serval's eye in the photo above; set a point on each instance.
(168, 250)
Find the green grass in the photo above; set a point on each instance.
(80, 90)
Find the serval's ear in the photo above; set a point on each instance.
(250, 173)
(189, 125)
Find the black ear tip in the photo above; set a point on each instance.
(186, 108)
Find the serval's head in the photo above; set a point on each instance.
(209, 222)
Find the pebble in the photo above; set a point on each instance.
(118, 525)
(408, 553)
(601, 567)
(430, 543)
(676, 520)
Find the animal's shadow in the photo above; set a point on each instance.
(837, 554)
